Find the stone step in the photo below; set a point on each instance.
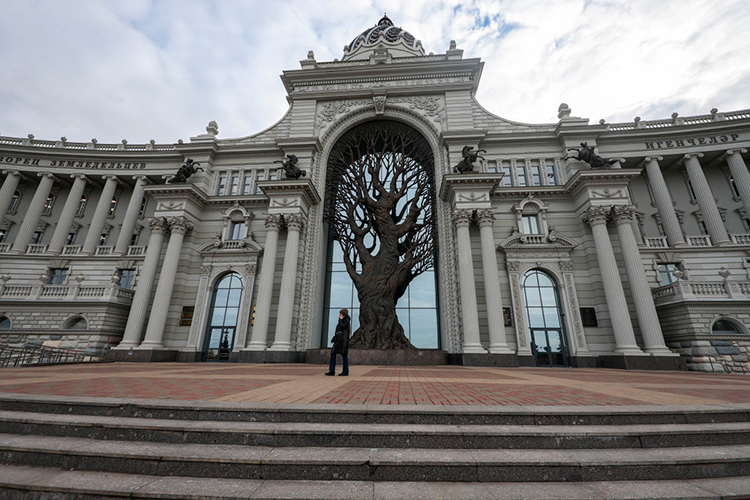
(375, 414)
(42, 483)
(286, 434)
(374, 464)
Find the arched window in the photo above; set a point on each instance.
(222, 319)
(725, 327)
(76, 323)
(48, 204)
(4, 323)
(544, 318)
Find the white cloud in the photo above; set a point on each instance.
(143, 69)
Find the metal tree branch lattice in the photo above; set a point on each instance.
(380, 201)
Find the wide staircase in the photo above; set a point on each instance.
(60, 448)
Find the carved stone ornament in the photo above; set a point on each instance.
(179, 225)
(623, 214)
(596, 215)
(171, 205)
(330, 110)
(486, 217)
(462, 218)
(379, 102)
(294, 222)
(431, 105)
(608, 193)
(273, 221)
(158, 225)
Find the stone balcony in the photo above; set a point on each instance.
(75, 250)
(683, 290)
(75, 293)
(700, 241)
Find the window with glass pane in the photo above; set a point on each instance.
(70, 238)
(508, 176)
(14, 202)
(222, 321)
(237, 230)
(4, 323)
(134, 239)
(544, 320)
(530, 224)
(273, 177)
(536, 175)
(734, 186)
(112, 207)
(521, 173)
(702, 227)
(551, 179)
(57, 276)
(143, 208)
(48, 204)
(126, 278)
(666, 276)
(416, 309)
(36, 237)
(690, 189)
(235, 184)
(102, 239)
(725, 327)
(246, 186)
(81, 206)
(221, 190)
(258, 179)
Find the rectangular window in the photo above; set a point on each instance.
(134, 239)
(530, 224)
(57, 276)
(102, 239)
(222, 189)
(246, 186)
(273, 177)
(2, 235)
(665, 273)
(258, 179)
(551, 179)
(70, 239)
(235, 185)
(112, 207)
(237, 231)
(126, 278)
(702, 226)
(492, 167)
(521, 173)
(734, 186)
(36, 237)
(507, 176)
(81, 206)
(536, 175)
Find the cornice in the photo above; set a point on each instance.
(167, 191)
(601, 177)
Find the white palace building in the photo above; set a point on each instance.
(541, 259)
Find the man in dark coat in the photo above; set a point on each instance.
(340, 342)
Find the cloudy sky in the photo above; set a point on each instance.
(162, 69)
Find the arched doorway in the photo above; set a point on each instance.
(222, 319)
(382, 246)
(544, 319)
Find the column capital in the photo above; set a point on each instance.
(273, 221)
(179, 225)
(595, 216)
(689, 156)
(730, 152)
(294, 222)
(653, 158)
(623, 214)
(12, 172)
(112, 177)
(45, 174)
(79, 176)
(158, 225)
(143, 178)
(462, 217)
(486, 217)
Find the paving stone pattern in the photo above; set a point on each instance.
(449, 385)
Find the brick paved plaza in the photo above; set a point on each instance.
(436, 385)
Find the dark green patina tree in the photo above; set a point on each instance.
(380, 202)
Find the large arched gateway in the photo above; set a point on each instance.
(380, 206)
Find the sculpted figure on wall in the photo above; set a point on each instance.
(184, 172)
(586, 154)
(291, 170)
(470, 157)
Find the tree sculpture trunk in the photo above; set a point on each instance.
(380, 201)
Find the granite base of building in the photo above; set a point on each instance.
(141, 355)
(401, 357)
(499, 360)
(707, 354)
(260, 357)
(641, 362)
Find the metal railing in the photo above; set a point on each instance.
(36, 354)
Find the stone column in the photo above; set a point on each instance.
(283, 334)
(178, 226)
(12, 177)
(613, 292)
(739, 172)
(34, 213)
(100, 215)
(472, 345)
(258, 340)
(498, 345)
(131, 216)
(653, 338)
(137, 317)
(706, 201)
(664, 202)
(68, 214)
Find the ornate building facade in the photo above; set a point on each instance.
(541, 259)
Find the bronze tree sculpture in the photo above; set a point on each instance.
(380, 204)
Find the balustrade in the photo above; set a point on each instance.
(72, 249)
(102, 250)
(36, 249)
(740, 239)
(5, 247)
(703, 240)
(136, 250)
(658, 242)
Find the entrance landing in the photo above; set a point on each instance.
(378, 385)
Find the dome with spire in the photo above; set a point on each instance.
(384, 35)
